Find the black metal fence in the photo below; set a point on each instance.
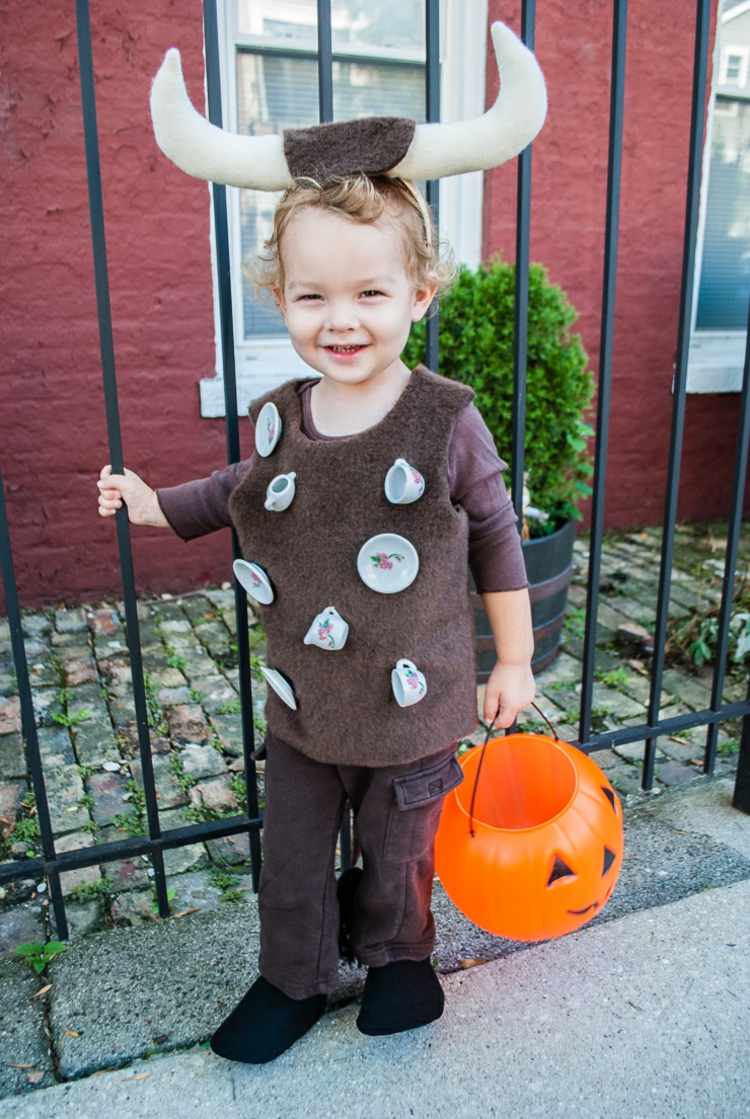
(52, 864)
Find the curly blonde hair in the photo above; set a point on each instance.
(363, 199)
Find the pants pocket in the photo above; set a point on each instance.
(414, 811)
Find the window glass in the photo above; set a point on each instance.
(355, 24)
(724, 288)
(290, 22)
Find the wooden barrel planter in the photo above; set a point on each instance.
(549, 563)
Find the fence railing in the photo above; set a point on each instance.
(153, 845)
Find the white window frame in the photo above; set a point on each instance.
(743, 53)
(716, 358)
(262, 364)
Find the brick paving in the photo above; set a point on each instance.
(82, 695)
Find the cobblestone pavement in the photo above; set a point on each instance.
(81, 679)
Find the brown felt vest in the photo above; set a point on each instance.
(346, 711)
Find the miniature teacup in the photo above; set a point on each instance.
(408, 683)
(403, 483)
(329, 630)
(280, 492)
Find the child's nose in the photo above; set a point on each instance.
(342, 316)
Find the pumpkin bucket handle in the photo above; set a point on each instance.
(488, 729)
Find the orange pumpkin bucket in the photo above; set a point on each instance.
(530, 844)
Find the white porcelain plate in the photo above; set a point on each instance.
(280, 685)
(267, 429)
(253, 578)
(387, 563)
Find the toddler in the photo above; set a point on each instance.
(353, 263)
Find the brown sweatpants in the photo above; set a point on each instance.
(396, 811)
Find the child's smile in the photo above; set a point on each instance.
(345, 353)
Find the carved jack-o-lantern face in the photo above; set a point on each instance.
(580, 875)
(547, 844)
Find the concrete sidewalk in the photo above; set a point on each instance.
(640, 1014)
(641, 1017)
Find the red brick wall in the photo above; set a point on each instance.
(568, 216)
(53, 439)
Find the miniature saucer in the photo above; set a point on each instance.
(267, 429)
(387, 563)
(280, 685)
(253, 578)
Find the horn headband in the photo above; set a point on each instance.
(394, 146)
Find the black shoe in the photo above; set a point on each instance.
(346, 888)
(400, 996)
(265, 1023)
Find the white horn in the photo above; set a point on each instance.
(200, 148)
(487, 141)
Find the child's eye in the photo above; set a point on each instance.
(369, 291)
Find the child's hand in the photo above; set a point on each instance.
(143, 505)
(510, 688)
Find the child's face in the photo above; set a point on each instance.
(346, 283)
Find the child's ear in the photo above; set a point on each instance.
(422, 299)
(279, 297)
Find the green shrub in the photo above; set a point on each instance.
(476, 347)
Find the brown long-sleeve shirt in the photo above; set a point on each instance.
(200, 506)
